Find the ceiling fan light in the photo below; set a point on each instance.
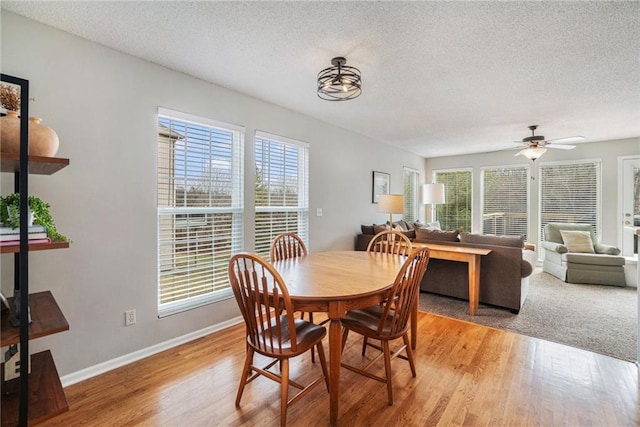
(533, 153)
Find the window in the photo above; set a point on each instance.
(570, 192)
(200, 209)
(281, 189)
(456, 212)
(505, 200)
(411, 198)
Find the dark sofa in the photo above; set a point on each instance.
(504, 273)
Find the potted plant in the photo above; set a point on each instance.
(10, 215)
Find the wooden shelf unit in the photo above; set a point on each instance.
(46, 395)
(46, 319)
(37, 396)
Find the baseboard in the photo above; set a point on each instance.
(109, 365)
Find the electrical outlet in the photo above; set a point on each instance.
(130, 317)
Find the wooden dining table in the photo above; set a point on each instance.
(335, 282)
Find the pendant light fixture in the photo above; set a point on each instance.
(340, 82)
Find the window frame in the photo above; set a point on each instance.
(409, 195)
(302, 207)
(221, 289)
(527, 181)
(598, 193)
(448, 197)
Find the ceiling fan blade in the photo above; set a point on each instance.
(560, 146)
(567, 139)
(519, 153)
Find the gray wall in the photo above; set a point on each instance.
(103, 105)
(608, 152)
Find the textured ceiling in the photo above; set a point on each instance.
(439, 78)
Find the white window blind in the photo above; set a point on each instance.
(411, 198)
(570, 192)
(505, 200)
(456, 212)
(200, 209)
(281, 189)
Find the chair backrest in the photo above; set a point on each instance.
(264, 303)
(405, 290)
(552, 231)
(390, 242)
(285, 246)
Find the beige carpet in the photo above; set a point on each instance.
(602, 319)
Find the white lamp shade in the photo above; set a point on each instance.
(533, 152)
(391, 203)
(432, 193)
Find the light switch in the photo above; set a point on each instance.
(319, 212)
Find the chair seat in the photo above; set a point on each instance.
(593, 259)
(367, 320)
(307, 334)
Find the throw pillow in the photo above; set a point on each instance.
(487, 239)
(402, 223)
(367, 229)
(434, 224)
(379, 228)
(443, 236)
(578, 241)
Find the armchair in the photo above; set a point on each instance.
(572, 254)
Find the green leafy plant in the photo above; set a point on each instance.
(10, 215)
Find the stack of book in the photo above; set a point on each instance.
(11, 236)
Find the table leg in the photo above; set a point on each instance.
(474, 283)
(335, 354)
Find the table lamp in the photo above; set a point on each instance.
(432, 194)
(391, 203)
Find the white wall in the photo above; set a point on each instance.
(607, 152)
(103, 104)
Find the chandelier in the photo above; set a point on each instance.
(340, 82)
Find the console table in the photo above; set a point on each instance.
(462, 254)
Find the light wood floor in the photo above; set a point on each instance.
(467, 375)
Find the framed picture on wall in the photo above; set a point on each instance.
(380, 185)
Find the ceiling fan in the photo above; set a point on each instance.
(536, 145)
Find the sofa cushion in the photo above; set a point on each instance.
(486, 239)
(411, 234)
(430, 234)
(593, 259)
(578, 241)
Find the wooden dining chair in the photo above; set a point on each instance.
(285, 246)
(390, 242)
(271, 328)
(390, 321)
